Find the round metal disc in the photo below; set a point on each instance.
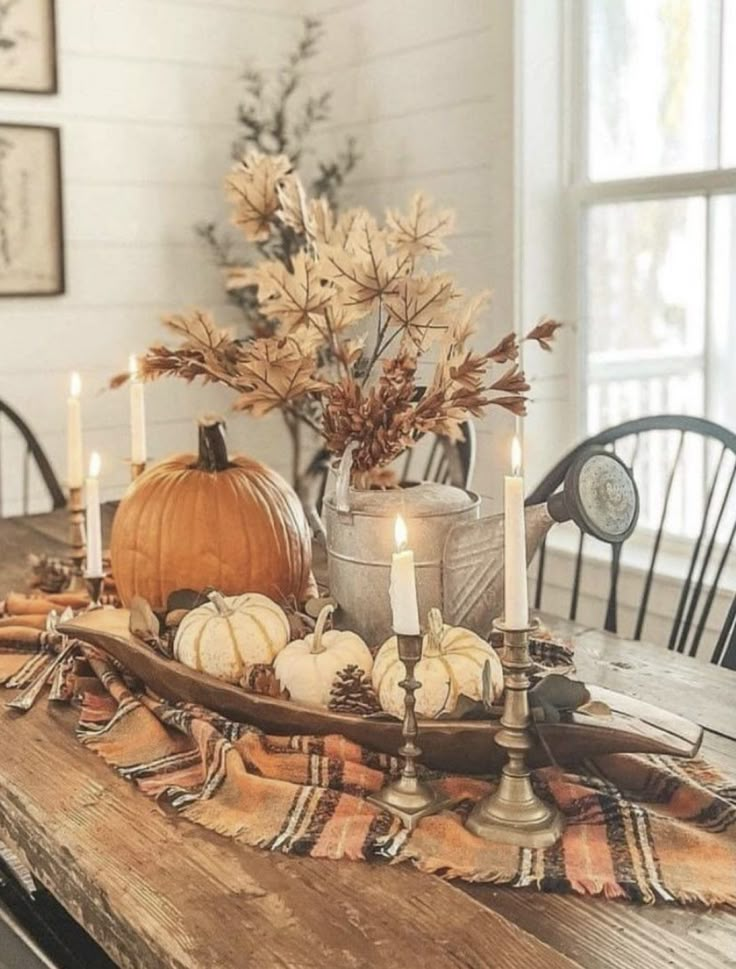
(603, 497)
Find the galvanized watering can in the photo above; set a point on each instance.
(458, 555)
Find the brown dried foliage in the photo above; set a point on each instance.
(353, 313)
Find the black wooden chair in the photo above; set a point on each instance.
(696, 446)
(32, 455)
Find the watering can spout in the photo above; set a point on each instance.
(598, 494)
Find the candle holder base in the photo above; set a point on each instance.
(136, 469)
(514, 814)
(410, 800)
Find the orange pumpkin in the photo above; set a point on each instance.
(196, 521)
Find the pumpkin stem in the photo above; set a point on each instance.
(434, 635)
(218, 601)
(325, 613)
(212, 446)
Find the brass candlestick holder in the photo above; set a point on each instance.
(93, 584)
(514, 814)
(77, 539)
(409, 798)
(136, 469)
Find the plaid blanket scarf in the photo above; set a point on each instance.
(639, 827)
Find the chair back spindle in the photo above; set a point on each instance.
(33, 457)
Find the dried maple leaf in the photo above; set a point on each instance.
(365, 271)
(419, 304)
(342, 232)
(275, 372)
(198, 329)
(252, 188)
(420, 231)
(544, 333)
(465, 323)
(296, 299)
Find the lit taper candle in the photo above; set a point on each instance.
(94, 525)
(516, 606)
(74, 459)
(403, 587)
(137, 415)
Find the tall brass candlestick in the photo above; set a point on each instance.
(77, 539)
(514, 814)
(408, 798)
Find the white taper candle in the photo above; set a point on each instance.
(137, 415)
(403, 587)
(516, 606)
(94, 525)
(74, 459)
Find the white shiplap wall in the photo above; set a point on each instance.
(146, 104)
(428, 89)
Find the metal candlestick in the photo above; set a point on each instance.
(408, 798)
(77, 539)
(93, 584)
(514, 814)
(136, 469)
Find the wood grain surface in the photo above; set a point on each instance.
(157, 892)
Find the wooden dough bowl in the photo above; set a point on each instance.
(459, 746)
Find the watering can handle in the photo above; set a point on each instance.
(342, 488)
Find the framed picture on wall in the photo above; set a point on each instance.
(31, 229)
(28, 46)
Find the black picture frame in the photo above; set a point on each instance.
(50, 265)
(47, 50)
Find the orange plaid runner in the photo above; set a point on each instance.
(643, 828)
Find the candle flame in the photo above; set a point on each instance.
(516, 456)
(400, 533)
(133, 366)
(94, 465)
(75, 384)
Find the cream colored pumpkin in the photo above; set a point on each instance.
(224, 634)
(452, 663)
(307, 667)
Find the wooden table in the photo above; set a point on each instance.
(156, 892)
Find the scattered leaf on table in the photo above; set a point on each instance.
(595, 708)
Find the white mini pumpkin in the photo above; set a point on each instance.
(452, 663)
(224, 634)
(307, 667)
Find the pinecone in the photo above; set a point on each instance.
(261, 678)
(352, 692)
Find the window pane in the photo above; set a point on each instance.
(728, 105)
(722, 392)
(649, 97)
(645, 280)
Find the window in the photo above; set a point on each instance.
(656, 188)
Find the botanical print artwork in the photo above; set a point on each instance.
(27, 42)
(31, 260)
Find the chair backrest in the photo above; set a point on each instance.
(32, 454)
(703, 451)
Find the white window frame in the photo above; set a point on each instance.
(584, 193)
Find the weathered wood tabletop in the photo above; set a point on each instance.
(156, 892)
